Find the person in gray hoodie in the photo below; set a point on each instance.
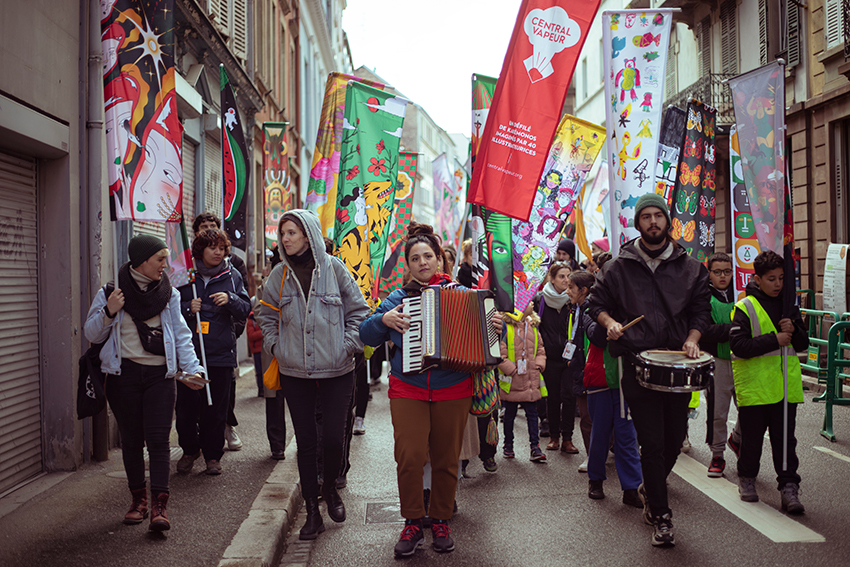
(310, 316)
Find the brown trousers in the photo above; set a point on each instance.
(424, 429)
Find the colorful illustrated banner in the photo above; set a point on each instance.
(482, 97)
(757, 96)
(324, 172)
(574, 149)
(392, 272)
(143, 134)
(234, 166)
(745, 245)
(459, 212)
(693, 199)
(179, 253)
(670, 141)
(370, 141)
(277, 192)
(591, 211)
(498, 246)
(634, 44)
(527, 103)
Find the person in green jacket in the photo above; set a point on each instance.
(759, 335)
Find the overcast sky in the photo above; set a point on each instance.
(428, 50)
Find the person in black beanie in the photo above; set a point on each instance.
(566, 252)
(653, 276)
(147, 344)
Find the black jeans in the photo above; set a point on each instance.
(754, 420)
(301, 397)
(561, 403)
(231, 406)
(361, 390)
(200, 427)
(487, 451)
(661, 423)
(276, 422)
(142, 400)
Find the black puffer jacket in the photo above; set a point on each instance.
(673, 300)
(741, 338)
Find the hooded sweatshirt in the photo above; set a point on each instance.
(314, 335)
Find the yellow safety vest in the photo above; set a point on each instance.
(759, 380)
(504, 382)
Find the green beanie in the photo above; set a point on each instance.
(143, 247)
(651, 200)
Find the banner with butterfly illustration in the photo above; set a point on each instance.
(634, 45)
(574, 149)
(669, 148)
(759, 102)
(143, 133)
(277, 194)
(693, 198)
(392, 272)
(371, 137)
(745, 245)
(324, 172)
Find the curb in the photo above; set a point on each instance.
(813, 385)
(261, 539)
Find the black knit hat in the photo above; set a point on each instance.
(568, 246)
(143, 247)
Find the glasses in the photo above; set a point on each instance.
(719, 273)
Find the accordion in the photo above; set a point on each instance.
(450, 328)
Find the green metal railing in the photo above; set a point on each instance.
(835, 361)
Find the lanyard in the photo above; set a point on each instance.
(572, 328)
(525, 338)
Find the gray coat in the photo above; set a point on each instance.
(318, 335)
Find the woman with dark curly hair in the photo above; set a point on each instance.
(220, 298)
(429, 410)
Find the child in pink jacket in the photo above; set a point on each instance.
(520, 377)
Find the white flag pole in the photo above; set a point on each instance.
(201, 342)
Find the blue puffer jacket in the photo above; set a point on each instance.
(433, 385)
(220, 340)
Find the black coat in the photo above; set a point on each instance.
(716, 333)
(220, 341)
(673, 300)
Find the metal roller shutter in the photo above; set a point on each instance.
(214, 202)
(188, 180)
(20, 388)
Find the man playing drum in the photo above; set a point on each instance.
(653, 276)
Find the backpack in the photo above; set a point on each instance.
(91, 391)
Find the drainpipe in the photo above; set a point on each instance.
(91, 198)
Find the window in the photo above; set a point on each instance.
(834, 27)
(584, 78)
(779, 31)
(729, 37)
(704, 46)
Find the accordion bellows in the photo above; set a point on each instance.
(450, 328)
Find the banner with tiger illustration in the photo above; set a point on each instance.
(371, 135)
(634, 45)
(693, 197)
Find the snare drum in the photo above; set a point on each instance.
(673, 372)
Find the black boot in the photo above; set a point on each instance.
(336, 509)
(314, 525)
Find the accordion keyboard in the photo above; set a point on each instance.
(412, 345)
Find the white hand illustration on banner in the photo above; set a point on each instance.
(549, 31)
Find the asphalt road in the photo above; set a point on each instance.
(530, 514)
(78, 521)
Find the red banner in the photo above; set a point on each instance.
(527, 103)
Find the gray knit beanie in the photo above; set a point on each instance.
(651, 200)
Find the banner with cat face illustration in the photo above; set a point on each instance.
(692, 211)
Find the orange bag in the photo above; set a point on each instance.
(271, 377)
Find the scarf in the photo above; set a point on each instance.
(652, 253)
(415, 286)
(207, 272)
(143, 305)
(554, 299)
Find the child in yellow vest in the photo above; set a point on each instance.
(520, 377)
(759, 335)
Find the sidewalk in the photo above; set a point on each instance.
(74, 518)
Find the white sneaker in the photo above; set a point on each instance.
(232, 439)
(686, 445)
(358, 426)
(583, 467)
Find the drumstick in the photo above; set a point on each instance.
(682, 352)
(632, 323)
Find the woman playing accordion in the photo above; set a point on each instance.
(429, 409)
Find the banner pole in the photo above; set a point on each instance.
(201, 342)
(785, 411)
